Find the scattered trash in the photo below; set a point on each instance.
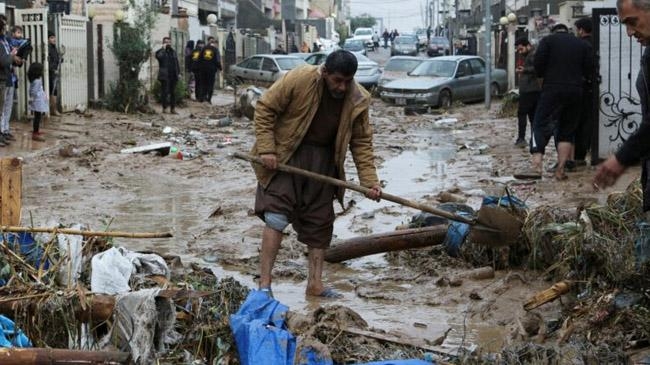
(80, 109)
(248, 99)
(168, 130)
(445, 122)
(548, 295)
(161, 149)
(69, 151)
(10, 336)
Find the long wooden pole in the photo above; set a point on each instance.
(46, 356)
(86, 233)
(359, 188)
(392, 241)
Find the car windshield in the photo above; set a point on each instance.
(363, 32)
(404, 40)
(353, 45)
(435, 68)
(439, 41)
(289, 63)
(402, 65)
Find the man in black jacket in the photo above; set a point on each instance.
(168, 74)
(529, 90)
(199, 83)
(53, 61)
(212, 61)
(561, 60)
(635, 15)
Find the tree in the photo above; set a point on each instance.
(362, 21)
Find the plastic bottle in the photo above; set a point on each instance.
(642, 244)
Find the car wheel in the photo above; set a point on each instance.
(444, 99)
(494, 90)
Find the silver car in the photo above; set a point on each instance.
(440, 81)
(264, 68)
(368, 71)
(405, 45)
(398, 67)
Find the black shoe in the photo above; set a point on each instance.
(4, 140)
(521, 143)
(580, 163)
(8, 136)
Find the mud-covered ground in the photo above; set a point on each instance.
(79, 175)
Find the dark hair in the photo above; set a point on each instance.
(341, 61)
(35, 71)
(559, 27)
(16, 28)
(210, 38)
(584, 24)
(50, 34)
(522, 41)
(164, 38)
(199, 42)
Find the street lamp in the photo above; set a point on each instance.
(508, 22)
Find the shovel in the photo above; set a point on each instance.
(494, 227)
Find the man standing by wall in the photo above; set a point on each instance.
(635, 14)
(308, 119)
(561, 60)
(53, 60)
(12, 81)
(168, 74)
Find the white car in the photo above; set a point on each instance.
(365, 34)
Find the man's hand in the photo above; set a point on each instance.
(269, 160)
(607, 173)
(374, 193)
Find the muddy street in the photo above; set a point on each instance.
(205, 199)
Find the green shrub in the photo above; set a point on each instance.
(181, 92)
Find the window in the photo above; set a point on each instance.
(478, 67)
(252, 63)
(464, 69)
(268, 65)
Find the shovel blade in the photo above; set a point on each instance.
(502, 226)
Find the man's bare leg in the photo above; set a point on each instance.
(563, 154)
(315, 278)
(271, 240)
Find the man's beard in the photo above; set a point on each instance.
(337, 95)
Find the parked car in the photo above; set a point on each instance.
(398, 67)
(264, 68)
(438, 46)
(404, 45)
(422, 37)
(440, 81)
(354, 46)
(365, 35)
(368, 71)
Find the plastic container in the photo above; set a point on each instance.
(642, 244)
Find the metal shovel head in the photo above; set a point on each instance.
(503, 226)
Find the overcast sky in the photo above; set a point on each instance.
(405, 15)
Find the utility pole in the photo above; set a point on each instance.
(487, 24)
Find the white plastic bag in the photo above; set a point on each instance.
(111, 272)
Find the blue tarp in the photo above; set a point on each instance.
(24, 244)
(10, 336)
(260, 332)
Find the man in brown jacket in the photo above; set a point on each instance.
(307, 120)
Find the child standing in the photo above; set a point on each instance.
(37, 98)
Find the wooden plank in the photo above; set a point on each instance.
(163, 148)
(11, 186)
(42, 356)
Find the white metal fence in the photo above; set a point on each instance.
(72, 37)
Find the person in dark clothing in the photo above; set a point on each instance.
(561, 60)
(280, 50)
(199, 91)
(636, 18)
(386, 37)
(212, 65)
(529, 90)
(53, 62)
(168, 74)
(189, 76)
(585, 124)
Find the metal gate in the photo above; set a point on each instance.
(617, 107)
(34, 23)
(71, 31)
(179, 38)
